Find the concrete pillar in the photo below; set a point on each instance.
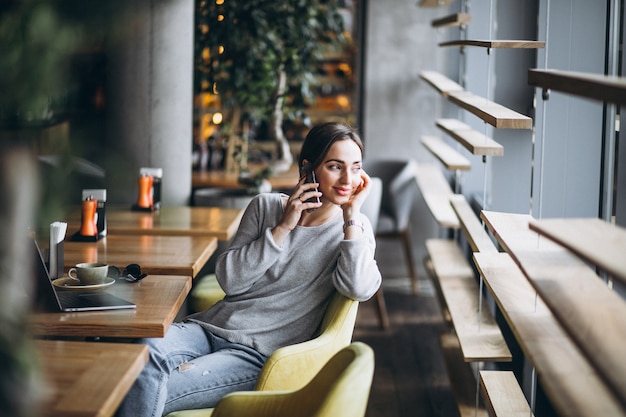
(150, 97)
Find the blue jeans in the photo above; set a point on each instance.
(190, 368)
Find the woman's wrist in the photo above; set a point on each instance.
(354, 223)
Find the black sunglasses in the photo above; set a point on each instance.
(132, 273)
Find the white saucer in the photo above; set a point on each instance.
(74, 285)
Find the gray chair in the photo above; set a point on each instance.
(399, 190)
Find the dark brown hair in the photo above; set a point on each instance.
(319, 140)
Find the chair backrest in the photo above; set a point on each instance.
(340, 388)
(291, 367)
(371, 206)
(399, 188)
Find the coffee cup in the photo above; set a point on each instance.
(89, 273)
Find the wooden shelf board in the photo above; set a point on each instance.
(503, 394)
(472, 226)
(456, 19)
(475, 142)
(479, 336)
(448, 156)
(490, 112)
(440, 82)
(593, 86)
(594, 240)
(436, 192)
(507, 44)
(574, 387)
(592, 314)
(462, 379)
(434, 3)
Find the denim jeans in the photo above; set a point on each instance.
(190, 368)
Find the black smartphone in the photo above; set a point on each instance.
(310, 177)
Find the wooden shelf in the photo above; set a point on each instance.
(596, 241)
(471, 225)
(572, 384)
(448, 156)
(456, 19)
(500, 44)
(440, 82)
(594, 86)
(475, 142)
(592, 313)
(504, 395)
(436, 192)
(479, 336)
(493, 113)
(434, 3)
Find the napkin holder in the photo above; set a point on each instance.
(149, 194)
(56, 250)
(100, 195)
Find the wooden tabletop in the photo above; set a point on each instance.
(85, 379)
(171, 221)
(286, 180)
(159, 255)
(158, 299)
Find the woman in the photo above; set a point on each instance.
(289, 255)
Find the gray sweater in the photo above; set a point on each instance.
(277, 295)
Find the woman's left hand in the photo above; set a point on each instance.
(358, 197)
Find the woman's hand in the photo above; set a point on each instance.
(294, 207)
(358, 198)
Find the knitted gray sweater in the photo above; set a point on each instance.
(277, 295)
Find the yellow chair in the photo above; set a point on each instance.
(340, 388)
(292, 367)
(206, 291)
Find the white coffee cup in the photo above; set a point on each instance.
(89, 273)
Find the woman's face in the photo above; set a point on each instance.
(339, 175)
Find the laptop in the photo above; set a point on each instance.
(48, 299)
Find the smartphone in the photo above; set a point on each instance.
(310, 177)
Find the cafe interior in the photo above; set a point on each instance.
(134, 134)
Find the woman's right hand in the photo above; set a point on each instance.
(296, 203)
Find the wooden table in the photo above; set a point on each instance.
(286, 180)
(171, 221)
(87, 379)
(158, 299)
(159, 255)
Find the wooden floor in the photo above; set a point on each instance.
(410, 377)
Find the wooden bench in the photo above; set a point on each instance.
(573, 385)
(479, 336)
(592, 314)
(436, 192)
(503, 395)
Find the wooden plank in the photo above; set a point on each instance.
(503, 395)
(508, 44)
(440, 82)
(594, 86)
(462, 379)
(574, 386)
(434, 3)
(595, 240)
(472, 140)
(479, 336)
(593, 314)
(490, 112)
(448, 156)
(436, 192)
(456, 19)
(472, 226)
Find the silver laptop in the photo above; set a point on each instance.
(48, 299)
